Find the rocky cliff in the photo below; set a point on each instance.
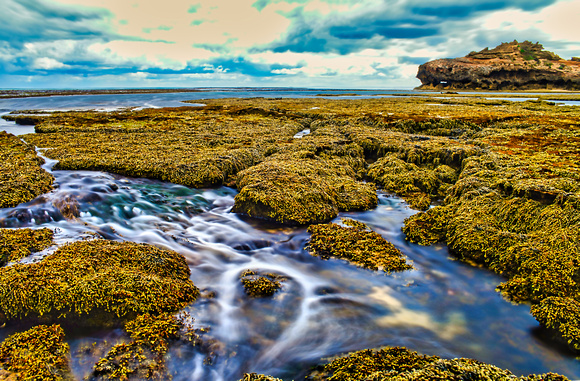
(509, 66)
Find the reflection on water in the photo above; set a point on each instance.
(443, 307)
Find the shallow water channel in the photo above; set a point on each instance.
(443, 307)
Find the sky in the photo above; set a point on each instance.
(372, 44)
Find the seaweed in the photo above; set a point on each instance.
(259, 286)
(300, 191)
(100, 282)
(21, 175)
(39, 353)
(561, 315)
(16, 244)
(194, 147)
(399, 364)
(144, 358)
(258, 377)
(357, 244)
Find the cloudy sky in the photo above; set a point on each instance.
(290, 43)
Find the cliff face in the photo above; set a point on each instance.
(509, 66)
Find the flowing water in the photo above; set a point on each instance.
(443, 307)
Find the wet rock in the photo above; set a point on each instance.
(357, 244)
(16, 244)
(258, 286)
(21, 177)
(96, 283)
(401, 364)
(37, 354)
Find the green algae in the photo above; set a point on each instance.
(357, 244)
(561, 315)
(299, 191)
(21, 177)
(258, 377)
(505, 174)
(198, 148)
(37, 354)
(97, 281)
(144, 358)
(259, 286)
(16, 244)
(399, 364)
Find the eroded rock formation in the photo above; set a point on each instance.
(509, 66)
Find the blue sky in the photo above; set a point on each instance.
(289, 43)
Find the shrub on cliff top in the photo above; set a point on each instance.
(98, 280)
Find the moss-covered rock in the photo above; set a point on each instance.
(16, 244)
(21, 177)
(96, 282)
(295, 190)
(418, 186)
(195, 147)
(257, 285)
(144, 357)
(37, 354)
(561, 315)
(258, 377)
(401, 364)
(357, 244)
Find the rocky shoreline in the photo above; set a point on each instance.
(493, 178)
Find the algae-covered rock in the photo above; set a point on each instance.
(401, 364)
(96, 282)
(301, 191)
(258, 286)
(144, 357)
(16, 244)
(357, 244)
(561, 315)
(428, 227)
(37, 354)
(198, 147)
(21, 177)
(258, 377)
(415, 184)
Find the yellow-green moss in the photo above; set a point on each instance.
(357, 245)
(37, 354)
(401, 364)
(418, 186)
(21, 177)
(258, 286)
(293, 190)
(16, 244)
(194, 147)
(258, 377)
(561, 315)
(428, 227)
(144, 357)
(99, 280)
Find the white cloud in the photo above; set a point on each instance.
(46, 63)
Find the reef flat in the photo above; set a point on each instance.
(496, 180)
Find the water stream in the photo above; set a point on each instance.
(443, 307)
